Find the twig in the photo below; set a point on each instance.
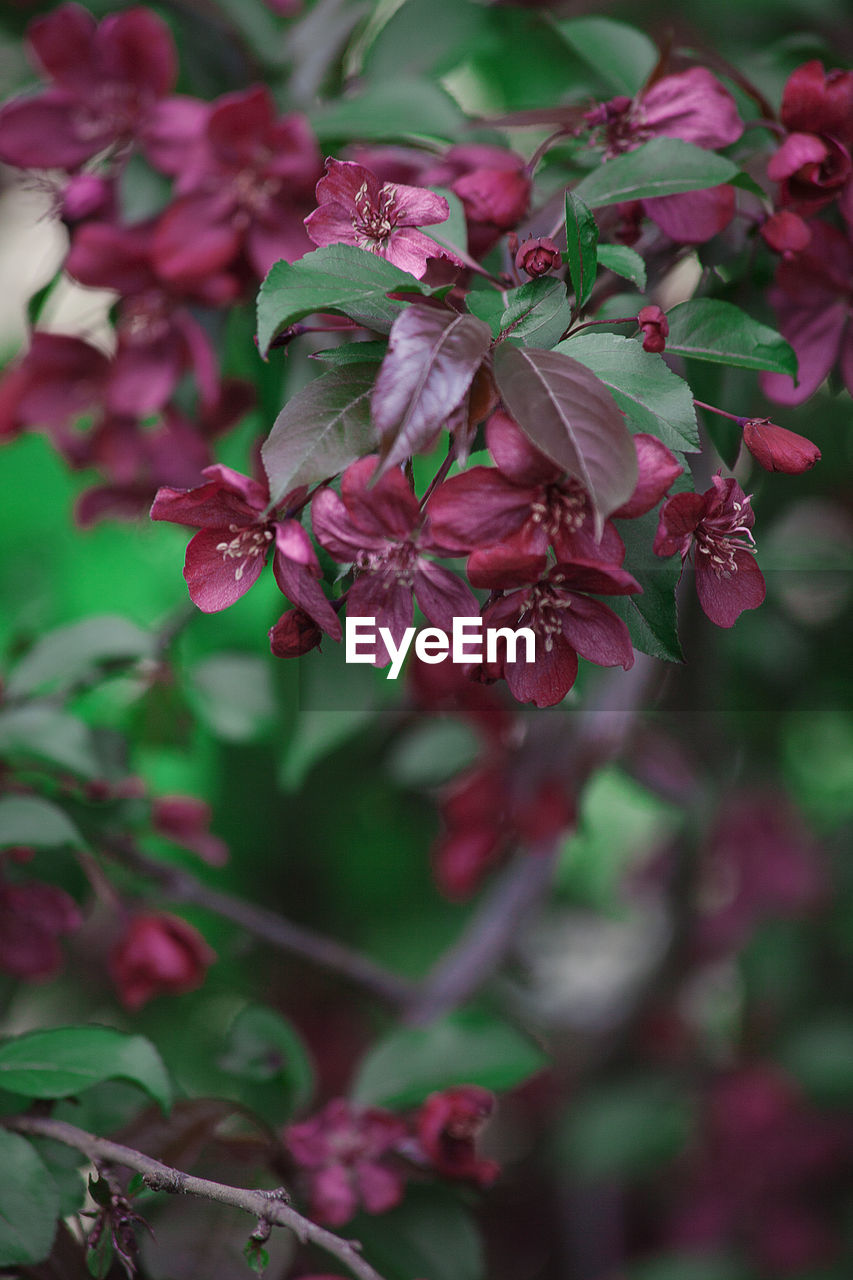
(266, 1206)
(267, 925)
(492, 930)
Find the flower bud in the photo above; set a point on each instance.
(655, 327)
(186, 821)
(786, 233)
(777, 449)
(537, 256)
(447, 1126)
(87, 195)
(159, 954)
(295, 633)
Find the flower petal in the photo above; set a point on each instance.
(724, 597)
(215, 580)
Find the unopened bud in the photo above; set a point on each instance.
(655, 327)
(537, 256)
(776, 448)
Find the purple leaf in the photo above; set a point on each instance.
(321, 429)
(432, 358)
(570, 415)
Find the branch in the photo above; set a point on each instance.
(492, 930)
(267, 925)
(266, 1206)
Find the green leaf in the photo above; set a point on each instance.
(625, 1129)
(581, 242)
(430, 1234)
(536, 314)
(233, 695)
(30, 820)
(624, 262)
(321, 429)
(42, 732)
(400, 108)
(264, 1050)
(433, 751)
(29, 1203)
(65, 1060)
(464, 1048)
(256, 1256)
(621, 55)
(654, 398)
(453, 232)
(339, 278)
(37, 302)
(62, 656)
(651, 618)
(662, 167)
(717, 331)
(820, 1056)
(352, 353)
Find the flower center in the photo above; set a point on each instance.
(250, 541)
(719, 537)
(374, 223)
(396, 564)
(544, 608)
(562, 508)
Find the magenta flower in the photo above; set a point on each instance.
(526, 504)
(447, 1126)
(236, 535)
(493, 185)
(53, 383)
(159, 954)
(694, 107)
(813, 164)
(812, 296)
(714, 528)
(158, 338)
(564, 619)
(382, 217)
(245, 190)
(32, 916)
(112, 86)
(341, 1150)
(381, 531)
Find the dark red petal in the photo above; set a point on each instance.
(212, 577)
(658, 469)
(597, 634)
(546, 681)
(515, 454)
(679, 517)
(196, 237)
(477, 509)
(442, 596)
(724, 598)
(64, 44)
(388, 508)
(42, 132)
(136, 48)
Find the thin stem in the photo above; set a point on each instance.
(266, 925)
(723, 413)
(588, 324)
(265, 1206)
(440, 474)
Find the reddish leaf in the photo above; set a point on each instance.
(570, 415)
(432, 358)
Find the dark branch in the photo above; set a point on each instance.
(266, 1206)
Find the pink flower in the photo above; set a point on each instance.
(715, 529)
(244, 191)
(655, 327)
(237, 534)
(382, 532)
(526, 504)
(565, 621)
(32, 916)
(812, 296)
(447, 1127)
(113, 82)
(186, 821)
(777, 449)
(694, 107)
(786, 233)
(159, 954)
(537, 256)
(158, 338)
(813, 164)
(493, 185)
(356, 208)
(52, 384)
(342, 1150)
